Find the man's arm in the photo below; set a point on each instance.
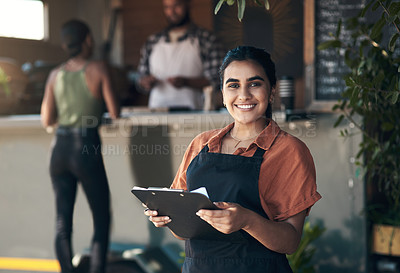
(146, 80)
(196, 83)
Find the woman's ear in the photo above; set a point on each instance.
(272, 95)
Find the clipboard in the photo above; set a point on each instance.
(181, 206)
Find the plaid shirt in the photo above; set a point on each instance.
(211, 52)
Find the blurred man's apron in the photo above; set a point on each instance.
(181, 59)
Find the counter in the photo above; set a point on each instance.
(145, 149)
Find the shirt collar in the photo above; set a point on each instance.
(264, 140)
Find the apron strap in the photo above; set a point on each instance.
(205, 149)
(259, 153)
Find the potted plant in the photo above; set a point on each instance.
(302, 260)
(371, 102)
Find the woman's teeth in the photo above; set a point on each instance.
(245, 106)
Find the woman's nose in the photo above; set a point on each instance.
(244, 93)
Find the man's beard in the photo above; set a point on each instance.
(182, 22)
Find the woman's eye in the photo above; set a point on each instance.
(233, 85)
(254, 84)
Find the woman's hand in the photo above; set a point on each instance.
(283, 236)
(232, 217)
(158, 221)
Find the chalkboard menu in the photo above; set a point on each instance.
(329, 67)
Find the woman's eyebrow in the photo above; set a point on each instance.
(255, 78)
(231, 80)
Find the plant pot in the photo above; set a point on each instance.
(386, 240)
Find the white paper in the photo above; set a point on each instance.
(201, 190)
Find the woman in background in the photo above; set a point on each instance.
(76, 96)
(262, 179)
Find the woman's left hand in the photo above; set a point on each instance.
(230, 218)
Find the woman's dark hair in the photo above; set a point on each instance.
(258, 55)
(73, 34)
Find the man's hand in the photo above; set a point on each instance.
(147, 82)
(177, 82)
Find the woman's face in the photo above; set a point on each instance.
(246, 92)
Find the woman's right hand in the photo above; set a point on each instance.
(158, 221)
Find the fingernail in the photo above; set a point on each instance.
(166, 218)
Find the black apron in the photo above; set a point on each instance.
(230, 178)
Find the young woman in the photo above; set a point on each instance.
(74, 98)
(262, 178)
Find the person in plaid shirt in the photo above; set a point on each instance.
(178, 62)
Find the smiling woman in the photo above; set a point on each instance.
(261, 178)
(23, 19)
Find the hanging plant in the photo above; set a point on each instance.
(241, 4)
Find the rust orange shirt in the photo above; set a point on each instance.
(287, 181)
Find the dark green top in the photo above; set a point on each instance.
(76, 106)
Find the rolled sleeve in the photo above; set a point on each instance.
(288, 179)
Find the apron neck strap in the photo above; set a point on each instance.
(259, 153)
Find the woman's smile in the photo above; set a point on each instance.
(245, 107)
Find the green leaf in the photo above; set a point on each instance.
(387, 126)
(394, 8)
(218, 6)
(4, 79)
(391, 18)
(354, 95)
(230, 2)
(267, 6)
(241, 8)
(6, 88)
(365, 9)
(375, 6)
(376, 153)
(392, 42)
(378, 79)
(335, 107)
(350, 81)
(329, 44)
(338, 29)
(377, 28)
(259, 3)
(338, 121)
(395, 97)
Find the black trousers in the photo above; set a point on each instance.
(76, 156)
